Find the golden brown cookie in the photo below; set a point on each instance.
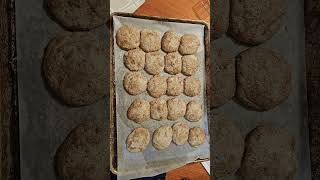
(139, 111)
(180, 133)
(78, 15)
(192, 86)
(189, 44)
(134, 59)
(74, 67)
(138, 140)
(176, 108)
(173, 63)
(158, 109)
(157, 86)
(135, 83)
(83, 153)
(154, 63)
(170, 41)
(197, 136)
(190, 65)
(174, 85)
(254, 21)
(269, 154)
(150, 40)
(222, 79)
(226, 137)
(128, 37)
(263, 79)
(194, 111)
(162, 137)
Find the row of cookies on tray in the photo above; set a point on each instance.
(154, 62)
(129, 37)
(173, 109)
(179, 133)
(136, 83)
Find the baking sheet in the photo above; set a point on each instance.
(292, 114)
(44, 122)
(152, 162)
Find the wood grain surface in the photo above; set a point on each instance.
(190, 9)
(312, 26)
(193, 171)
(9, 134)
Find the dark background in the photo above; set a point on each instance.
(9, 125)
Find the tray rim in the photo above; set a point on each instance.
(113, 137)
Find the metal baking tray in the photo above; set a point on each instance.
(113, 125)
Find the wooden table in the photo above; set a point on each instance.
(194, 171)
(182, 9)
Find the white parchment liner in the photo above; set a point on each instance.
(152, 162)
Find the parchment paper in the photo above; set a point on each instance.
(291, 114)
(151, 161)
(44, 121)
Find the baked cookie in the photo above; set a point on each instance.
(74, 67)
(150, 40)
(170, 41)
(222, 80)
(174, 85)
(128, 37)
(269, 154)
(226, 137)
(220, 18)
(139, 111)
(189, 65)
(135, 83)
(192, 86)
(157, 86)
(194, 111)
(83, 154)
(138, 140)
(79, 15)
(162, 137)
(189, 44)
(263, 79)
(158, 109)
(154, 63)
(134, 59)
(173, 63)
(254, 21)
(197, 136)
(180, 133)
(176, 109)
